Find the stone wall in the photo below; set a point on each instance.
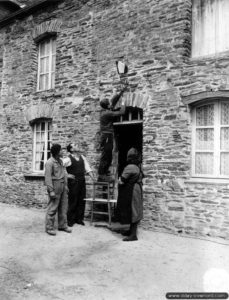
(154, 38)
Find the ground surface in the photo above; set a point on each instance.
(94, 263)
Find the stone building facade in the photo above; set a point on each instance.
(179, 95)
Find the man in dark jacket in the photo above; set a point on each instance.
(77, 166)
(107, 117)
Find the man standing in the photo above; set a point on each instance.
(77, 166)
(107, 117)
(56, 182)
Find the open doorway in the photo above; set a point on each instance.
(128, 133)
(127, 136)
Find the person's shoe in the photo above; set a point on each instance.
(116, 230)
(130, 238)
(80, 223)
(126, 233)
(51, 232)
(66, 229)
(70, 225)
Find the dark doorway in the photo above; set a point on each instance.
(127, 135)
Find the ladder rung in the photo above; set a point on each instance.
(100, 213)
(101, 200)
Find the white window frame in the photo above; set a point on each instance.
(48, 124)
(217, 147)
(130, 118)
(51, 58)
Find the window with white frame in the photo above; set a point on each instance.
(46, 64)
(42, 136)
(210, 27)
(210, 153)
(132, 114)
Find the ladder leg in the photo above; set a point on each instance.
(92, 211)
(109, 212)
(92, 203)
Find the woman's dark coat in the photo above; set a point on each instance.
(130, 202)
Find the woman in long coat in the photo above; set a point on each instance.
(130, 201)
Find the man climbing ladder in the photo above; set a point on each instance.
(107, 117)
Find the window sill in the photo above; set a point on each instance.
(51, 90)
(220, 55)
(208, 180)
(34, 175)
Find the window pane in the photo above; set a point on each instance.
(224, 164)
(43, 137)
(42, 49)
(42, 83)
(53, 63)
(224, 138)
(204, 163)
(42, 65)
(224, 113)
(38, 147)
(47, 65)
(38, 156)
(41, 165)
(205, 139)
(37, 166)
(53, 80)
(49, 136)
(205, 115)
(46, 84)
(43, 126)
(49, 126)
(47, 47)
(53, 46)
(38, 127)
(38, 137)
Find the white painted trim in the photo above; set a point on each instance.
(217, 138)
(128, 122)
(51, 41)
(205, 180)
(217, 151)
(45, 145)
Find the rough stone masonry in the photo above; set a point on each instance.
(154, 38)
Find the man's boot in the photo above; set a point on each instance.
(127, 232)
(133, 233)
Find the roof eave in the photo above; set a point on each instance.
(26, 11)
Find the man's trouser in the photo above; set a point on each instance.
(106, 155)
(76, 203)
(58, 205)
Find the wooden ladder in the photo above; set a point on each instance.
(103, 193)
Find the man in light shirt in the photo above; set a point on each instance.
(77, 166)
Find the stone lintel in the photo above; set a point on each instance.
(210, 95)
(39, 111)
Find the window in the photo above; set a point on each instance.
(42, 134)
(46, 64)
(210, 155)
(210, 27)
(132, 114)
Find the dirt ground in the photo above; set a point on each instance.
(94, 263)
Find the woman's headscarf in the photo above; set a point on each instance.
(133, 156)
